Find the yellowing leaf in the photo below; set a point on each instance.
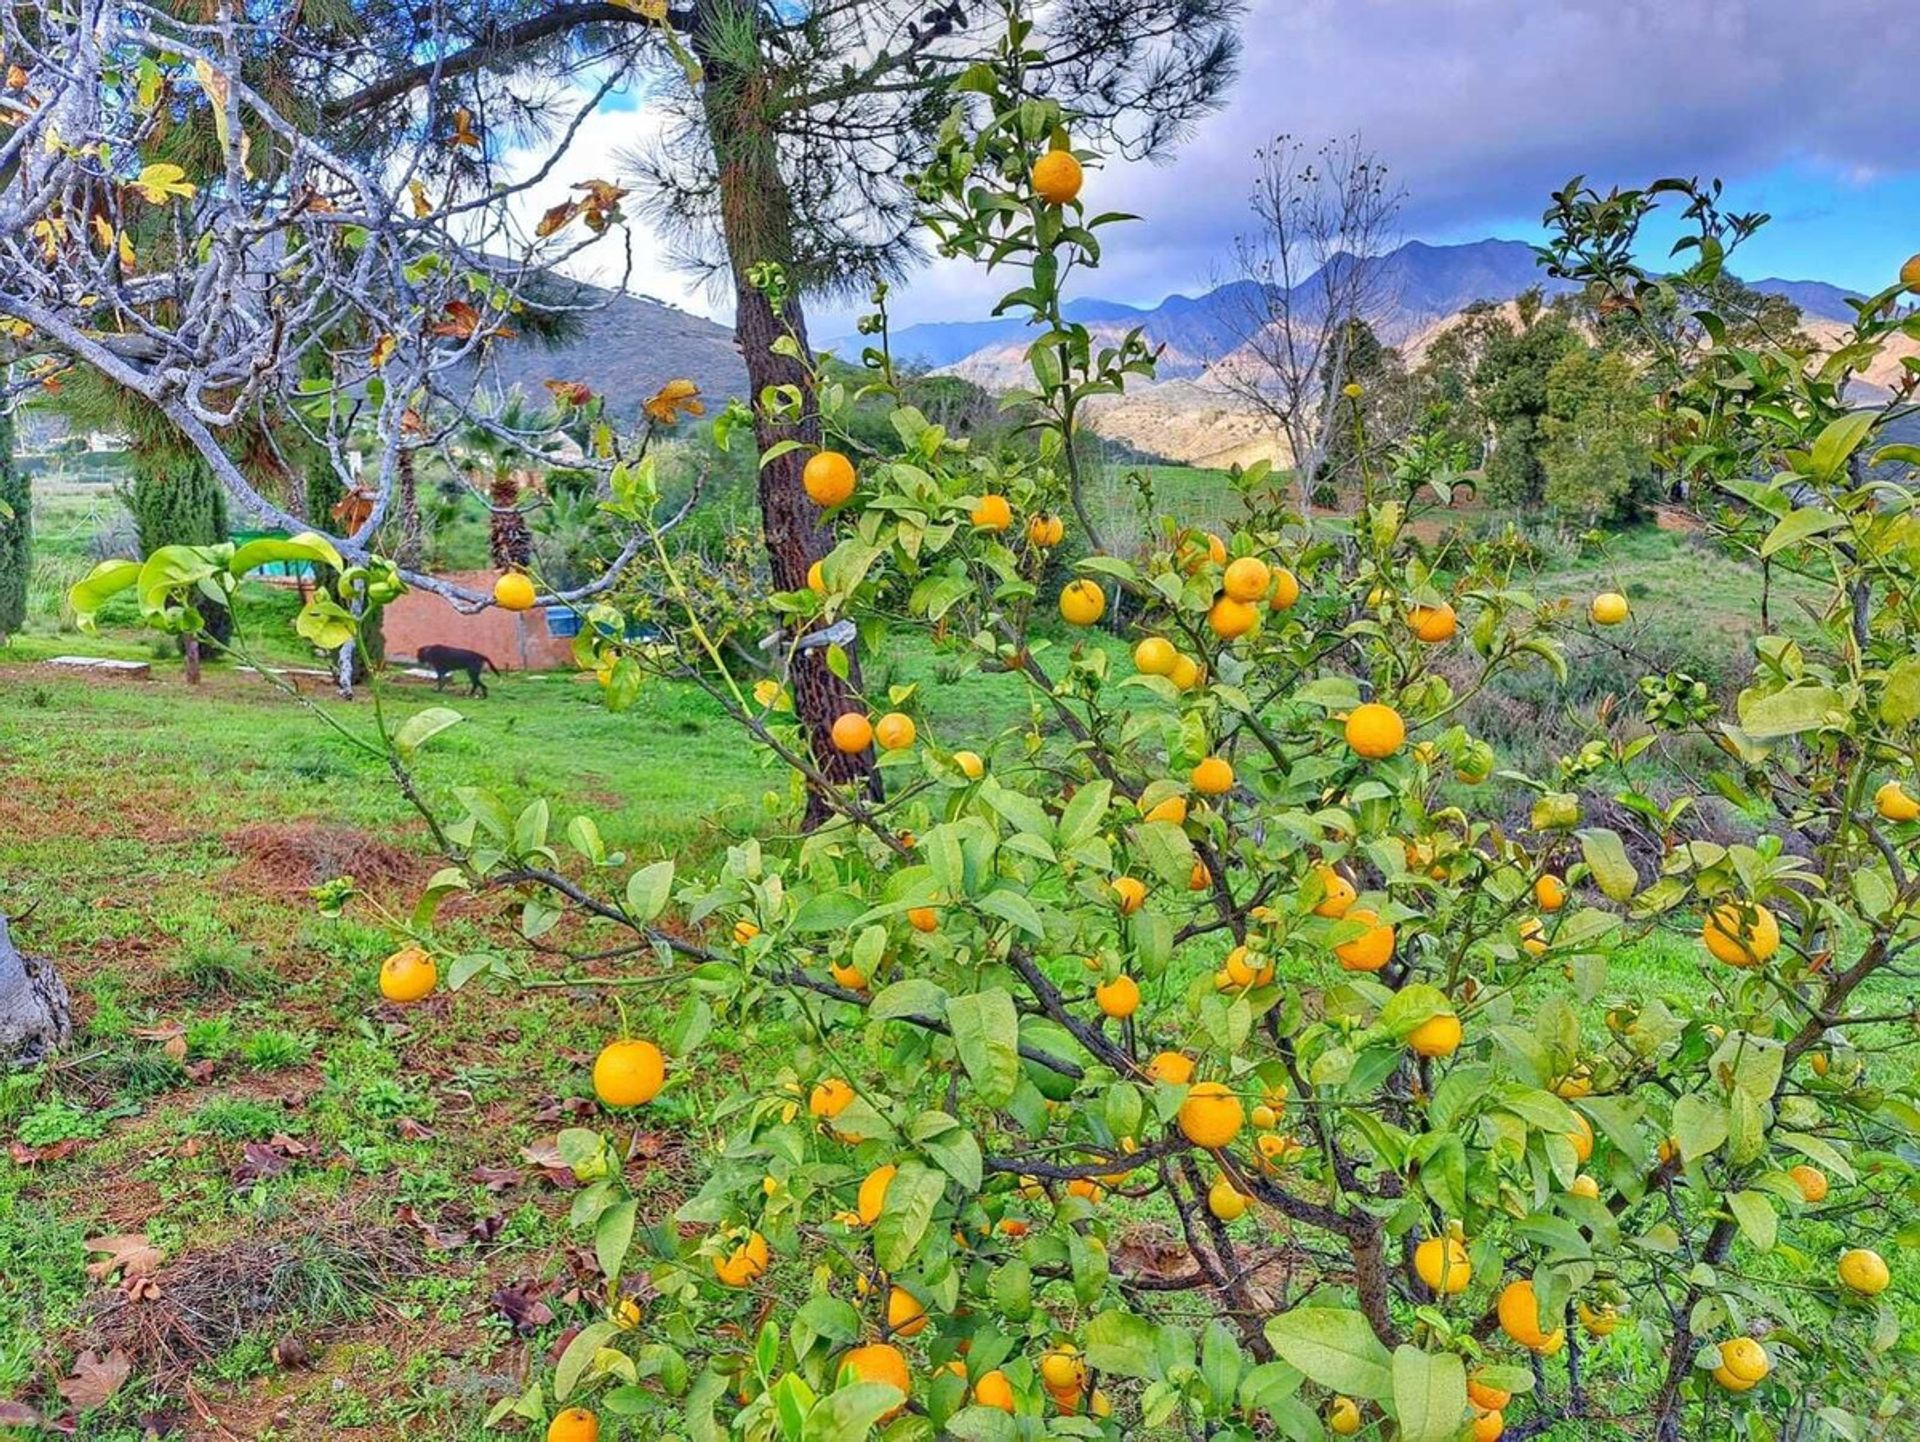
(161, 181)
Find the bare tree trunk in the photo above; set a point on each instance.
(191, 647)
(411, 541)
(36, 1014)
(755, 217)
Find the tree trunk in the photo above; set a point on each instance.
(755, 217)
(36, 1014)
(190, 645)
(411, 541)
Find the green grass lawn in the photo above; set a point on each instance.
(238, 1096)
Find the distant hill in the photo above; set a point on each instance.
(628, 346)
(1817, 300)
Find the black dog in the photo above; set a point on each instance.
(443, 661)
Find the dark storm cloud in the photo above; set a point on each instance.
(1482, 107)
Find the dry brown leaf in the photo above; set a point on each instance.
(95, 1379)
(129, 1252)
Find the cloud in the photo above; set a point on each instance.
(1481, 108)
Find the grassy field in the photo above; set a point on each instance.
(347, 1227)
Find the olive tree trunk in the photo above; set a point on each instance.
(36, 1014)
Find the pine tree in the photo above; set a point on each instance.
(16, 535)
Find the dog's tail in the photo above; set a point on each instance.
(487, 661)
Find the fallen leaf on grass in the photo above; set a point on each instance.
(199, 1072)
(26, 1156)
(413, 1131)
(289, 1146)
(129, 1252)
(498, 1179)
(139, 1289)
(522, 1308)
(18, 1414)
(95, 1379)
(259, 1161)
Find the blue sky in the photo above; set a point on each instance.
(1482, 107)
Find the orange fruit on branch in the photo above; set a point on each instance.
(1057, 177)
(628, 1073)
(513, 592)
(828, 478)
(409, 975)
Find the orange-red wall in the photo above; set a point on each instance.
(512, 640)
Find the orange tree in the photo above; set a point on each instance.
(1186, 1058)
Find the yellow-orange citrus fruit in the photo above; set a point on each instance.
(817, 579)
(1046, 531)
(846, 974)
(1185, 674)
(1199, 879)
(970, 764)
(1246, 579)
(745, 931)
(1550, 893)
(1213, 776)
(1582, 1138)
(1286, 590)
(576, 1424)
(1609, 608)
(1811, 1181)
(1910, 272)
(851, 732)
(1488, 1399)
(1599, 1321)
(1862, 1270)
(894, 731)
(1519, 1314)
(1370, 950)
(1488, 1426)
(1231, 619)
(1225, 1200)
(1586, 1186)
(873, 1193)
(1082, 603)
(1242, 969)
(1129, 893)
(1057, 177)
(828, 478)
(1743, 1364)
(994, 1390)
(1211, 1115)
(1437, 1036)
(408, 975)
(1442, 1263)
(1433, 624)
(1172, 1067)
(829, 1098)
(1893, 803)
(1375, 731)
(1119, 998)
(1343, 1417)
(1533, 935)
(1062, 1370)
(879, 1362)
(906, 1313)
(923, 918)
(513, 592)
(1741, 933)
(744, 1263)
(992, 513)
(628, 1073)
(1155, 656)
(1336, 894)
(1173, 811)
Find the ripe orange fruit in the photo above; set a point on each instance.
(1082, 603)
(1910, 273)
(1375, 731)
(1343, 1417)
(1225, 1200)
(1173, 811)
(1286, 590)
(994, 1390)
(906, 1313)
(1061, 1370)
(1609, 608)
(1519, 1313)
(1057, 177)
(1741, 933)
(879, 1362)
(923, 918)
(1129, 893)
(1533, 935)
(1863, 1270)
(1442, 1263)
(1370, 950)
(1336, 893)
(1488, 1426)
(845, 973)
(628, 1073)
(1046, 532)
(1171, 1067)
(408, 975)
(1437, 1036)
(829, 1098)
(1601, 1321)
(576, 1424)
(1185, 674)
(828, 478)
(1893, 803)
(1211, 1116)
(1433, 624)
(1490, 1399)
(1213, 776)
(1811, 1181)
(1155, 656)
(1247, 579)
(745, 931)
(873, 1193)
(894, 731)
(1241, 969)
(1550, 893)
(1743, 1364)
(1231, 619)
(744, 1263)
(992, 513)
(817, 579)
(1119, 998)
(1582, 1138)
(1586, 1186)
(851, 732)
(513, 592)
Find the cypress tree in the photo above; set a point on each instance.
(16, 535)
